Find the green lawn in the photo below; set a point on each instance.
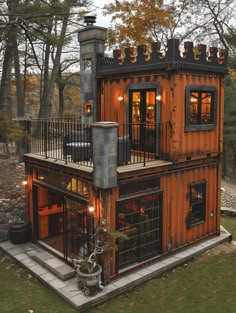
(205, 285)
(229, 223)
(20, 292)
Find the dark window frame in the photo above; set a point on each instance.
(199, 126)
(141, 232)
(197, 203)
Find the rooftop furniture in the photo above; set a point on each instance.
(78, 145)
(123, 150)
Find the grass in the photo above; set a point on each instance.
(206, 284)
(20, 292)
(229, 223)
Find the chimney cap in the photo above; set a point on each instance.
(90, 19)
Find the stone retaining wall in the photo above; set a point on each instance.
(12, 210)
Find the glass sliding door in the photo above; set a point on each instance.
(63, 223)
(50, 219)
(78, 227)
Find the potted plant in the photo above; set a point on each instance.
(88, 272)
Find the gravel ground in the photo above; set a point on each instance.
(228, 194)
(12, 174)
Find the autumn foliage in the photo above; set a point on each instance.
(136, 22)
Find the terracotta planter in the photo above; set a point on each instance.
(89, 282)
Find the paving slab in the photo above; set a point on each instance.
(21, 256)
(47, 277)
(38, 269)
(57, 283)
(70, 291)
(15, 250)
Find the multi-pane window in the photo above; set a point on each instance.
(141, 220)
(197, 203)
(200, 107)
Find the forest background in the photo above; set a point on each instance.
(39, 50)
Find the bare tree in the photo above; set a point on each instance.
(44, 24)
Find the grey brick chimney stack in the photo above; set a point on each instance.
(92, 39)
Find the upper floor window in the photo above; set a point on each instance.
(200, 108)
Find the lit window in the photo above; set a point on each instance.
(200, 108)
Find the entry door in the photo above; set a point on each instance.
(143, 119)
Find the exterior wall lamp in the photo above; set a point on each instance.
(91, 208)
(87, 108)
(158, 97)
(120, 98)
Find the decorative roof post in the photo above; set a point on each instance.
(92, 39)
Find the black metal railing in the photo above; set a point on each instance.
(63, 139)
(142, 142)
(68, 140)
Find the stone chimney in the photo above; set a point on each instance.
(92, 40)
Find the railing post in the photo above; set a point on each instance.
(45, 138)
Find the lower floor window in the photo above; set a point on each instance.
(140, 219)
(197, 203)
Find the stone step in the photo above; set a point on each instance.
(53, 265)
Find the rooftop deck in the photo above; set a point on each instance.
(70, 142)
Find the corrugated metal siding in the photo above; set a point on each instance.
(194, 142)
(176, 205)
(113, 110)
(175, 142)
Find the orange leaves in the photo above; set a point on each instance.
(136, 22)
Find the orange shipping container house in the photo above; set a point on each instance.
(145, 153)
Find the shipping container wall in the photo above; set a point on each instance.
(189, 144)
(176, 143)
(113, 110)
(176, 205)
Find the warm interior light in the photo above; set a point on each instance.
(158, 97)
(91, 208)
(193, 100)
(24, 182)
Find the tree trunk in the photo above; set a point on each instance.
(46, 104)
(61, 86)
(19, 90)
(45, 75)
(5, 87)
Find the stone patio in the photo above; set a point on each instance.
(59, 276)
